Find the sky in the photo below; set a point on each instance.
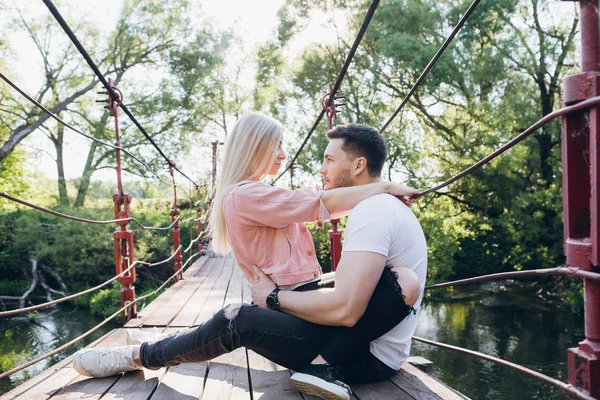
(255, 21)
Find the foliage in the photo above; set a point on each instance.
(106, 302)
(83, 254)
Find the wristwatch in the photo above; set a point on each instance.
(273, 300)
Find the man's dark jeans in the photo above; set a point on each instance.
(290, 341)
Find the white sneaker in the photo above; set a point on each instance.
(322, 388)
(136, 336)
(100, 362)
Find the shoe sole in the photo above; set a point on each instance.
(314, 386)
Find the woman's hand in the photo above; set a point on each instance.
(406, 194)
(261, 287)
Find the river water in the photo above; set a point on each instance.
(507, 320)
(23, 339)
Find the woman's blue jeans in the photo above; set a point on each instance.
(290, 341)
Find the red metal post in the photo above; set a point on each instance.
(335, 244)
(175, 230)
(199, 225)
(581, 170)
(123, 238)
(335, 237)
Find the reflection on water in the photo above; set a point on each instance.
(506, 320)
(22, 339)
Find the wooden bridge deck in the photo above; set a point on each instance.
(209, 284)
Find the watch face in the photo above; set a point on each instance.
(271, 302)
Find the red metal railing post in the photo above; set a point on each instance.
(335, 237)
(581, 200)
(123, 238)
(205, 236)
(175, 230)
(199, 224)
(335, 244)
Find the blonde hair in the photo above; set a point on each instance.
(250, 149)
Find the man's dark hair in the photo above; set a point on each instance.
(362, 141)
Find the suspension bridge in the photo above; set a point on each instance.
(202, 284)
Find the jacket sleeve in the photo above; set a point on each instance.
(264, 205)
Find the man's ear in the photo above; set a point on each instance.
(360, 165)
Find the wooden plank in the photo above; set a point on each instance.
(83, 386)
(246, 292)
(382, 390)
(169, 309)
(197, 268)
(420, 362)
(422, 386)
(269, 380)
(135, 385)
(216, 297)
(190, 310)
(228, 377)
(183, 381)
(43, 385)
(228, 374)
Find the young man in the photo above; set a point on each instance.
(353, 326)
(382, 236)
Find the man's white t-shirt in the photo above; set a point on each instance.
(383, 224)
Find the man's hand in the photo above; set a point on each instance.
(261, 288)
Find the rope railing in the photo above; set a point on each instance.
(61, 21)
(563, 387)
(88, 221)
(84, 292)
(431, 63)
(95, 328)
(193, 219)
(520, 274)
(338, 82)
(195, 240)
(593, 101)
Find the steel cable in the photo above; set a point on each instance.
(563, 387)
(88, 221)
(549, 117)
(520, 274)
(431, 63)
(338, 82)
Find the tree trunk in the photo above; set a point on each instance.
(88, 170)
(544, 138)
(60, 167)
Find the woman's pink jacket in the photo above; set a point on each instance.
(265, 226)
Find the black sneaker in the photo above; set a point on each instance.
(322, 381)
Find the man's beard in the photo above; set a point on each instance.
(344, 179)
